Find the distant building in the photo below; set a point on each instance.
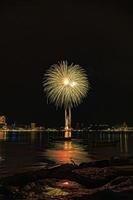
(33, 125)
(2, 121)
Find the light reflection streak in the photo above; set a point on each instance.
(68, 134)
(66, 152)
(123, 142)
(3, 135)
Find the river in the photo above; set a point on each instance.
(22, 151)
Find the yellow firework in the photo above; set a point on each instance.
(65, 85)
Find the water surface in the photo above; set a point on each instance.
(25, 150)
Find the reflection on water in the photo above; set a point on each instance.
(3, 135)
(68, 134)
(123, 142)
(29, 149)
(68, 151)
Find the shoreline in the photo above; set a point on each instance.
(96, 180)
(79, 131)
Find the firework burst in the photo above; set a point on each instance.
(65, 85)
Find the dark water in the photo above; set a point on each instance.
(25, 150)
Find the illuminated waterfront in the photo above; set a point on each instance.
(30, 150)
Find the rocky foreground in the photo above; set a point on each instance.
(99, 180)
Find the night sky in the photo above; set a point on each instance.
(98, 35)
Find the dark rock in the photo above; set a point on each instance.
(63, 171)
(71, 182)
(100, 195)
(99, 163)
(121, 185)
(94, 177)
(105, 195)
(48, 189)
(119, 160)
(124, 170)
(23, 178)
(31, 176)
